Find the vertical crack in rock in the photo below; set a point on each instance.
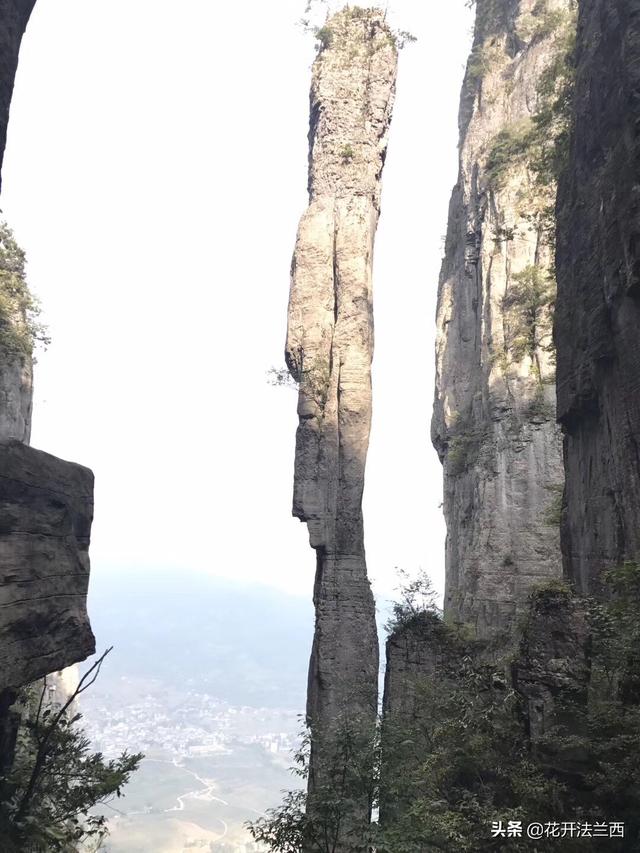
(494, 423)
(597, 327)
(329, 352)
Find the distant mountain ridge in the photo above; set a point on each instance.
(246, 645)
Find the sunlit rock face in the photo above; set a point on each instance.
(597, 327)
(46, 510)
(494, 422)
(329, 352)
(14, 16)
(16, 374)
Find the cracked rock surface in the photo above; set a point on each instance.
(494, 422)
(329, 352)
(46, 509)
(597, 328)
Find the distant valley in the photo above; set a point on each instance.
(207, 678)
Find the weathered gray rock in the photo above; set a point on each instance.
(14, 17)
(597, 328)
(551, 672)
(329, 351)
(46, 510)
(16, 396)
(417, 652)
(421, 658)
(494, 416)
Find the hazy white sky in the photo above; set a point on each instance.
(155, 174)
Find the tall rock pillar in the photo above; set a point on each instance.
(494, 423)
(597, 328)
(329, 352)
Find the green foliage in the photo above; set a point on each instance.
(20, 329)
(542, 21)
(464, 444)
(463, 757)
(484, 59)
(528, 309)
(509, 146)
(464, 762)
(541, 143)
(553, 116)
(324, 37)
(322, 821)
(347, 153)
(402, 38)
(311, 375)
(476, 762)
(553, 512)
(417, 599)
(55, 780)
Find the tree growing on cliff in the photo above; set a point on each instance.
(20, 327)
(322, 822)
(465, 759)
(55, 779)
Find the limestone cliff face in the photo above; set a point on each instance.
(597, 327)
(14, 17)
(16, 395)
(329, 351)
(494, 417)
(16, 373)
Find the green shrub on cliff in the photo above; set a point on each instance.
(541, 143)
(20, 329)
(464, 757)
(467, 759)
(323, 822)
(528, 310)
(55, 779)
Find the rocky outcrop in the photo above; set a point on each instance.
(419, 651)
(45, 521)
(422, 655)
(494, 423)
(552, 668)
(16, 395)
(14, 17)
(597, 328)
(329, 351)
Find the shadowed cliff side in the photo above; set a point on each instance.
(329, 351)
(494, 415)
(597, 329)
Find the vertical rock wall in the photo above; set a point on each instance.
(494, 423)
(597, 328)
(329, 351)
(422, 657)
(16, 371)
